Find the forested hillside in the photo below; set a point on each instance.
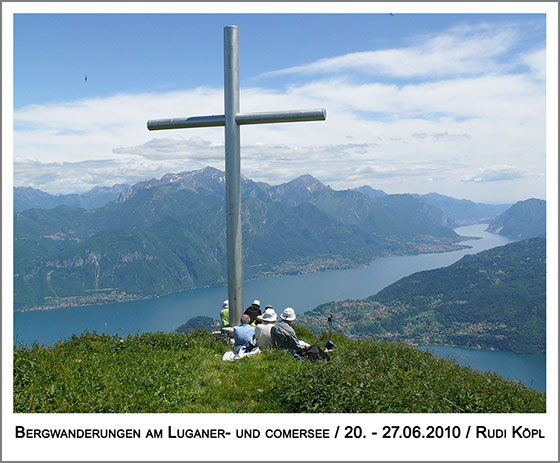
(494, 299)
(523, 220)
(168, 235)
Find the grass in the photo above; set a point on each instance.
(184, 373)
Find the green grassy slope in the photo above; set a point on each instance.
(184, 373)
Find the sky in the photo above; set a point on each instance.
(416, 103)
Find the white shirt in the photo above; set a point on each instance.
(262, 335)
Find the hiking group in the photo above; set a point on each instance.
(265, 330)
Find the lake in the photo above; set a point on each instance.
(302, 292)
(530, 369)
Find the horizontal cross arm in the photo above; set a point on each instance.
(298, 115)
(187, 122)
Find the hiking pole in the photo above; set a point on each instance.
(329, 345)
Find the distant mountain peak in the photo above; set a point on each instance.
(209, 170)
(117, 188)
(524, 220)
(308, 181)
(299, 190)
(205, 172)
(540, 202)
(31, 198)
(307, 178)
(170, 178)
(369, 191)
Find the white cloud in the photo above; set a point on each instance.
(457, 135)
(461, 50)
(536, 61)
(493, 96)
(176, 147)
(494, 174)
(90, 129)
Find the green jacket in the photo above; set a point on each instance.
(224, 316)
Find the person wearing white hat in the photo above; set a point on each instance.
(224, 314)
(289, 315)
(282, 334)
(254, 310)
(262, 330)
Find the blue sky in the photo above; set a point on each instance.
(125, 53)
(452, 103)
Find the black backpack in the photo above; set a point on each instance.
(314, 354)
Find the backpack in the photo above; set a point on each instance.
(314, 354)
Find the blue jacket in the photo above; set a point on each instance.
(243, 334)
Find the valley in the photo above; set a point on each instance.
(168, 235)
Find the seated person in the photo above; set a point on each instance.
(262, 331)
(283, 335)
(254, 310)
(243, 334)
(224, 314)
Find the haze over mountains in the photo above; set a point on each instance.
(457, 211)
(30, 198)
(460, 212)
(371, 192)
(168, 234)
(525, 219)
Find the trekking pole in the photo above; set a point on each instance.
(329, 346)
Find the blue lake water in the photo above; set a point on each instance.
(530, 369)
(302, 292)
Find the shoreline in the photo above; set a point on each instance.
(489, 348)
(312, 267)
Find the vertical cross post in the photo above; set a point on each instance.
(232, 119)
(233, 173)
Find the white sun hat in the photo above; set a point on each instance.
(288, 314)
(269, 315)
(257, 302)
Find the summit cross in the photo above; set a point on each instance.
(232, 119)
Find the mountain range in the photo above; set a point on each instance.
(31, 198)
(369, 191)
(461, 212)
(168, 235)
(457, 212)
(495, 299)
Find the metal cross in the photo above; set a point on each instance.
(232, 119)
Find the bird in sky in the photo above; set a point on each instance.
(86, 78)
